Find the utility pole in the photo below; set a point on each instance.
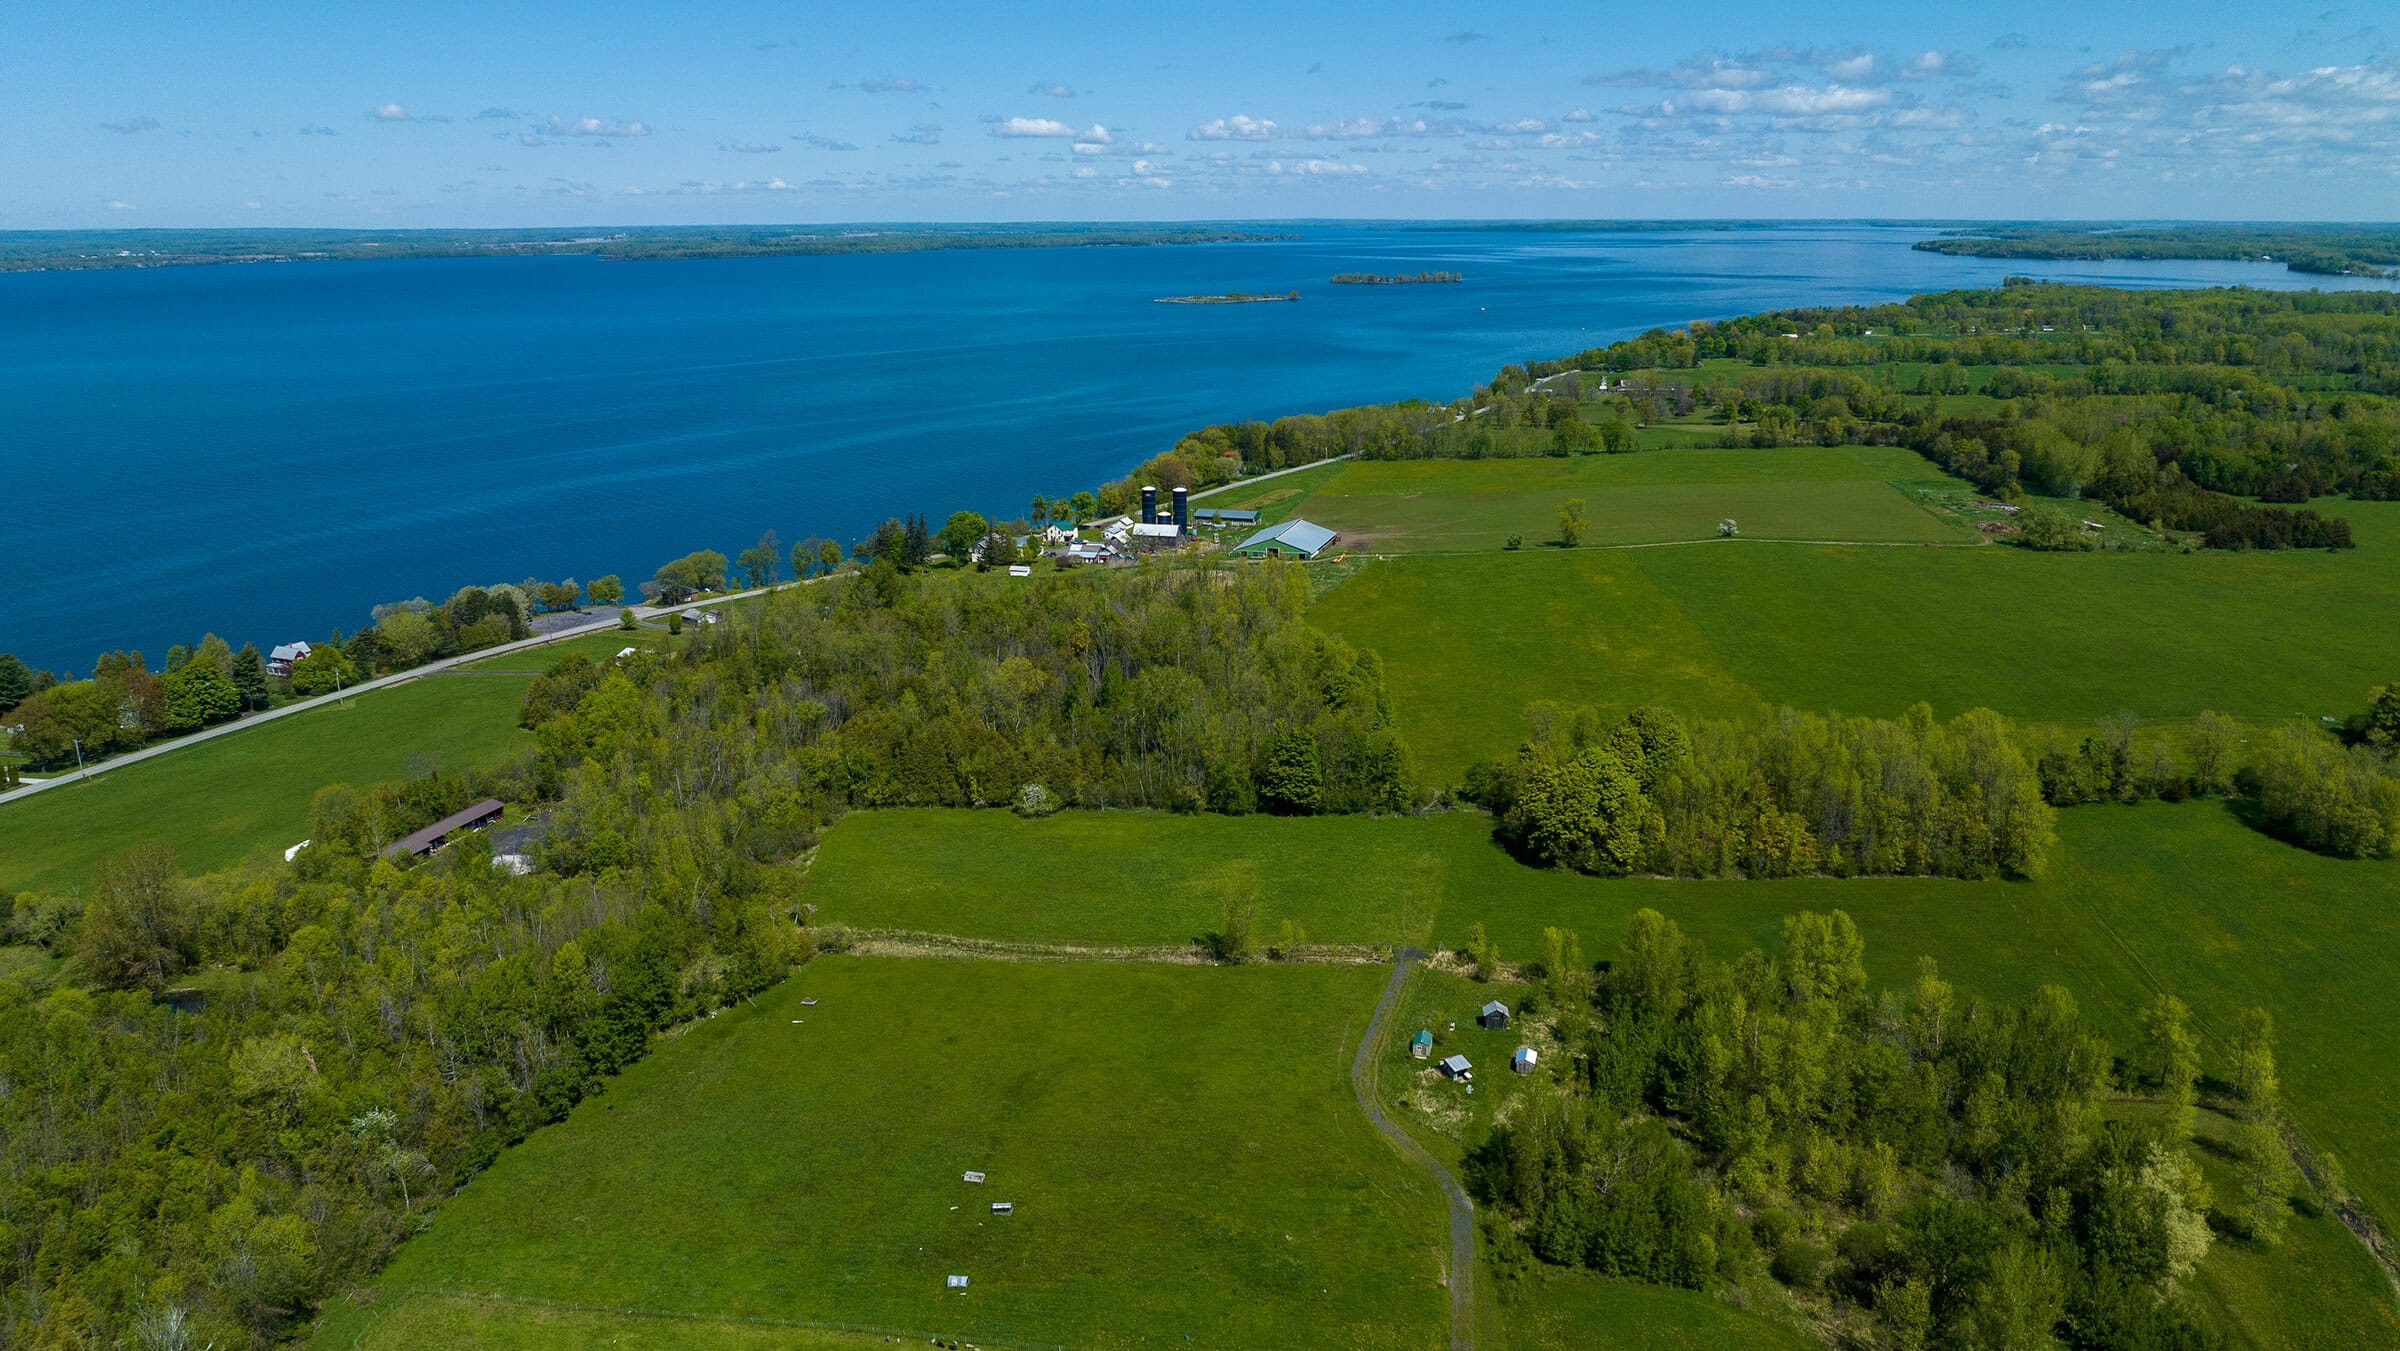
(79, 769)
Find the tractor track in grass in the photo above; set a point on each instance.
(1363, 1078)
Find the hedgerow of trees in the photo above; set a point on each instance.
(1782, 795)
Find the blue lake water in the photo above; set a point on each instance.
(267, 451)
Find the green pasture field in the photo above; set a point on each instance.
(597, 646)
(222, 799)
(408, 1321)
(1145, 879)
(1808, 493)
(1578, 1311)
(1180, 1143)
(2184, 898)
(1469, 641)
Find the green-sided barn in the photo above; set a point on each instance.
(1292, 539)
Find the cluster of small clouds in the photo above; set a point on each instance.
(1771, 119)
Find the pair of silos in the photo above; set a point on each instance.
(1182, 507)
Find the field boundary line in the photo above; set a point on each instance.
(675, 1315)
(1364, 1083)
(913, 943)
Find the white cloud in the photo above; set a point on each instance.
(120, 206)
(1578, 115)
(318, 131)
(498, 114)
(748, 148)
(1084, 171)
(1032, 126)
(923, 133)
(593, 126)
(390, 112)
(1569, 140)
(1523, 126)
(816, 142)
(1791, 100)
(891, 84)
(1051, 89)
(131, 125)
(1239, 127)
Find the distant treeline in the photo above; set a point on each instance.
(2329, 250)
(1393, 279)
(44, 250)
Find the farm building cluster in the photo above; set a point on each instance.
(1155, 527)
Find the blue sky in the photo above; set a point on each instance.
(451, 114)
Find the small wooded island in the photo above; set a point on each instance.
(1229, 298)
(1396, 279)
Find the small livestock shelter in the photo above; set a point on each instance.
(1292, 539)
(1420, 1046)
(1522, 1061)
(1456, 1067)
(1494, 1015)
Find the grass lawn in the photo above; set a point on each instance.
(1180, 1144)
(1836, 493)
(218, 801)
(1124, 878)
(597, 646)
(1468, 641)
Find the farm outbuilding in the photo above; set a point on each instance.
(422, 842)
(1494, 1015)
(1522, 1062)
(1456, 1067)
(1420, 1046)
(1292, 539)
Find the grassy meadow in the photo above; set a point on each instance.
(1180, 1144)
(1714, 628)
(1805, 493)
(220, 800)
(1147, 879)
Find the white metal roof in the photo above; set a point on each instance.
(1305, 536)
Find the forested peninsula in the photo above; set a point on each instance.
(65, 250)
(2323, 250)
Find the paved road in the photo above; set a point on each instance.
(596, 625)
(1462, 1211)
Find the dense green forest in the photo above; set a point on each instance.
(45, 250)
(2175, 408)
(1936, 1169)
(2328, 250)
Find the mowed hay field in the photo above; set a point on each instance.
(1147, 879)
(1842, 493)
(1180, 1143)
(1714, 628)
(222, 799)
